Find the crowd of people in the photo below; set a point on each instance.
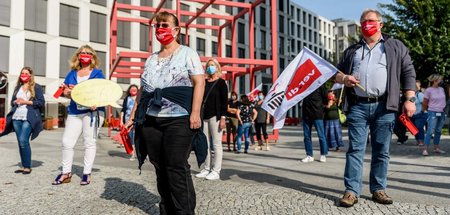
(177, 100)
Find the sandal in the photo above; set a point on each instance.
(86, 179)
(58, 180)
(26, 171)
(19, 170)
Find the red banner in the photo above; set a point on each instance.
(304, 76)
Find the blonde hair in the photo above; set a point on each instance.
(75, 63)
(217, 64)
(31, 83)
(434, 77)
(164, 17)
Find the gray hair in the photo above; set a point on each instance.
(366, 11)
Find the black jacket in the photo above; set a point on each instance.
(313, 104)
(400, 69)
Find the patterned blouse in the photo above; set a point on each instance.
(246, 112)
(175, 70)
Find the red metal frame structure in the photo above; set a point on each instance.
(120, 68)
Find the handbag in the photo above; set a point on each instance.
(342, 117)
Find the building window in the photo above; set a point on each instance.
(99, 2)
(309, 20)
(228, 51)
(242, 85)
(68, 22)
(292, 28)
(148, 3)
(310, 35)
(215, 22)
(214, 49)
(102, 56)
(183, 39)
(36, 15)
(281, 24)
(201, 21)
(329, 29)
(241, 54)
(292, 46)
(201, 46)
(262, 16)
(98, 27)
(304, 17)
(123, 34)
(35, 56)
(341, 45)
(5, 12)
(143, 37)
(228, 9)
(281, 45)
(315, 37)
(340, 31)
(184, 7)
(281, 64)
(299, 46)
(298, 15)
(299, 31)
(263, 56)
(65, 53)
(315, 22)
(168, 4)
(281, 5)
(352, 30)
(123, 80)
(4, 54)
(216, 6)
(241, 31)
(124, 2)
(228, 33)
(263, 39)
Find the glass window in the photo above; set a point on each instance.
(228, 51)
(99, 2)
(98, 27)
(201, 21)
(124, 2)
(65, 54)
(299, 46)
(168, 4)
(292, 28)
(281, 5)
(281, 24)
(309, 20)
(340, 31)
(123, 34)
(352, 30)
(216, 6)
(182, 39)
(68, 22)
(281, 45)
(304, 33)
(148, 3)
(263, 39)
(5, 12)
(201, 46)
(4, 54)
(184, 7)
(299, 31)
(310, 35)
(214, 49)
(315, 22)
(298, 15)
(281, 64)
(241, 31)
(215, 22)
(262, 16)
(103, 63)
(143, 37)
(263, 56)
(36, 15)
(304, 17)
(315, 37)
(35, 56)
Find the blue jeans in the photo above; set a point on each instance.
(243, 129)
(360, 118)
(420, 119)
(307, 126)
(22, 128)
(435, 122)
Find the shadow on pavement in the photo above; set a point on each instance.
(120, 154)
(78, 170)
(132, 194)
(34, 163)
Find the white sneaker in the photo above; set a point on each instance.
(213, 175)
(308, 159)
(425, 153)
(323, 159)
(202, 174)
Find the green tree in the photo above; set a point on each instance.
(424, 26)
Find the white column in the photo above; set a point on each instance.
(16, 52)
(53, 17)
(17, 14)
(84, 22)
(53, 58)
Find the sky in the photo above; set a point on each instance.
(333, 9)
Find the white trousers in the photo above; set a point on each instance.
(75, 126)
(212, 131)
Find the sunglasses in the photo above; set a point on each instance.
(161, 25)
(86, 53)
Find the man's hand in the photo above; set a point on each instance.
(350, 81)
(409, 108)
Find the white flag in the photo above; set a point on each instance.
(302, 76)
(337, 86)
(254, 93)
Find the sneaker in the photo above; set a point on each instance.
(267, 148)
(323, 159)
(399, 143)
(425, 153)
(202, 174)
(348, 200)
(258, 148)
(308, 159)
(439, 151)
(381, 197)
(213, 175)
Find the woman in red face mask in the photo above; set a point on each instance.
(80, 120)
(25, 115)
(167, 115)
(127, 106)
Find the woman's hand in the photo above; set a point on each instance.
(94, 108)
(194, 120)
(19, 101)
(129, 124)
(222, 123)
(67, 90)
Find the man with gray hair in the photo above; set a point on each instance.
(374, 71)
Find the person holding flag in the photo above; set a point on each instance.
(382, 66)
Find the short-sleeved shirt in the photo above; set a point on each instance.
(436, 99)
(262, 114)
(246, 112)
(175, 70)
(234, 105)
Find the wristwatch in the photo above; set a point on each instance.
(411, 99)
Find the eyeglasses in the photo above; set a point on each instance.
(86, 53)
(161, 25)
(370, 20)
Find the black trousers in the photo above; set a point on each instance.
(168, 141)
(261, 127)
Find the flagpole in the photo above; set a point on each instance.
(358, 85)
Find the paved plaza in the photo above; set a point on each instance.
(273, 182)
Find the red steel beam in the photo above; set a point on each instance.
(203, 9)
(226, 3)
(240, 61)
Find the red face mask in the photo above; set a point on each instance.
(133, 92)
(369, 28)
(25, 78)
(85, 59)
(164, 35)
